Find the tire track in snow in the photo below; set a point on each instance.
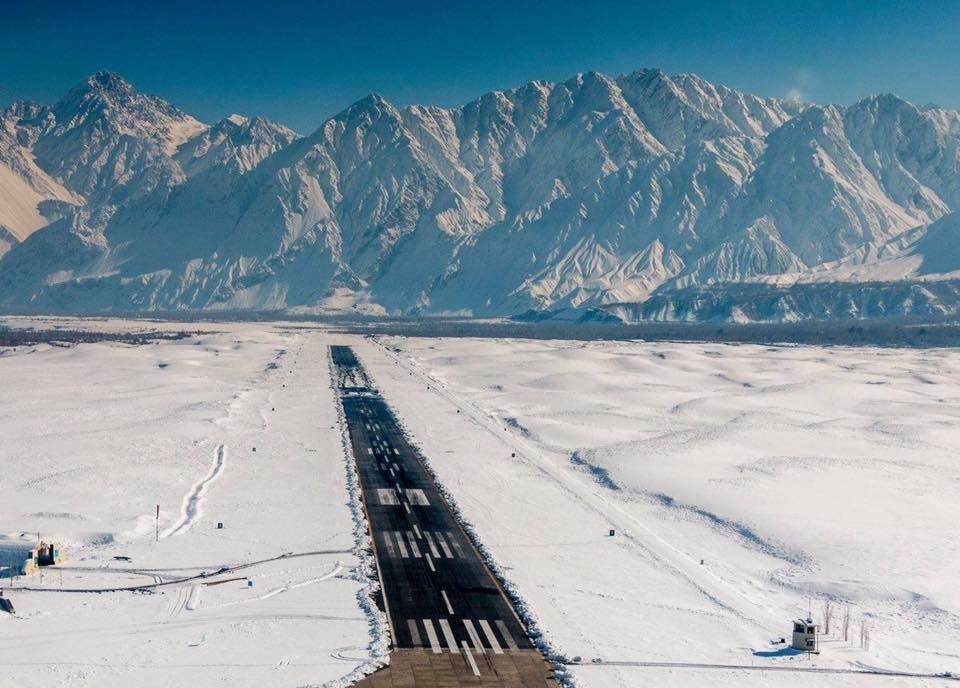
(193, 502)
(333, 573)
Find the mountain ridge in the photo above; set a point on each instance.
(595, 192)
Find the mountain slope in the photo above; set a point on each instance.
(594, 192)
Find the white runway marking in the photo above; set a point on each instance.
(443, 545)
(414, 633)
(446, 601)
(430, 563)
(473, 664)
(395, 451)
(407, 507)
(337, 568)
(391, 550)
(448, 636)
(413, 544)
(504, 631)
(474, 637)
(387, 497)
(491, 638)
(417, 497)
(456, 544)
(433, 547)
(416, 529)
(403, 547)
(432, 636)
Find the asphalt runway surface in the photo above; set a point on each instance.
(439, 595)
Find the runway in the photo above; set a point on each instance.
(451, 624)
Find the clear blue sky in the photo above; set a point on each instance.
(299, 62)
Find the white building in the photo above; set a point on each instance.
(805, 635)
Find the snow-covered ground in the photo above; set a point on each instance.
(96, 436)
(794, 474)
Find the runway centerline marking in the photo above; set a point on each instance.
(446, 601)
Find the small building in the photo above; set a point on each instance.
(805, 635)
(48, 554)
(23, 556)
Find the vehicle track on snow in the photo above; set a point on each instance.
(193, 502)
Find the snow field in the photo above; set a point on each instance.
(95, 436)
(791, 472)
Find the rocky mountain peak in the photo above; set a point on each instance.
(591, 192)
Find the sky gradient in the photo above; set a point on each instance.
(300, 62)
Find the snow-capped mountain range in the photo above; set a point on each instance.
(645, 195)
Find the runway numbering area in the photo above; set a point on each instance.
(451, 624)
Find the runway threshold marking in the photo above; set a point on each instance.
(491, 637)
(505, 632)
(432, 637)
(474, 638)
(448, 636)
(473, 664)
(414, 633)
